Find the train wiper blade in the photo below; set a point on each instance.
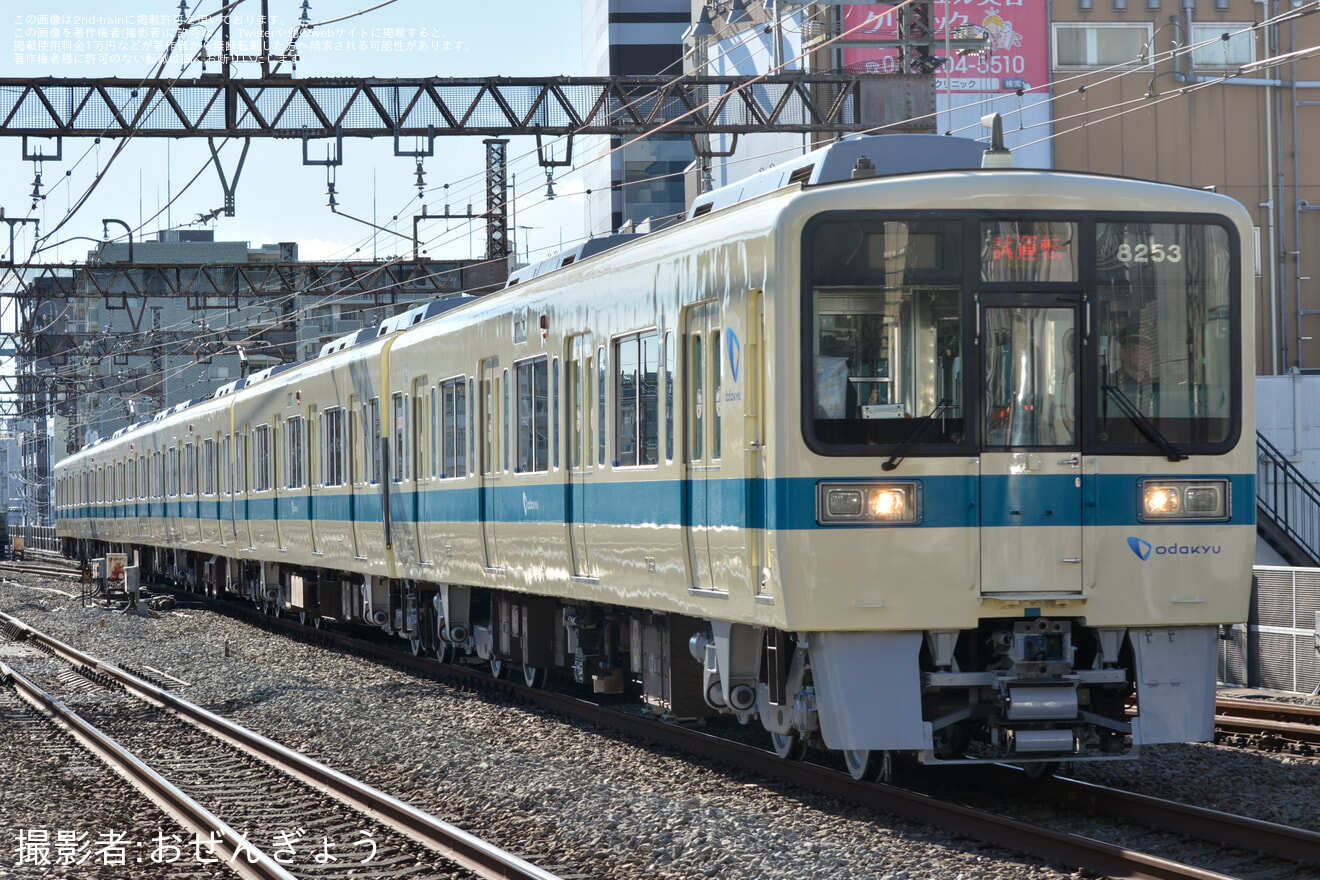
(917, 430)
(1144, 424)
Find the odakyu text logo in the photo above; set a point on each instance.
(735, 352)
(1144, 549)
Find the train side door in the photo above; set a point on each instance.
(488, 409)
(580, 451)
(356, 468)
(1031, 473)
(703, 441)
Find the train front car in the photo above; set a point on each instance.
(1014, 495)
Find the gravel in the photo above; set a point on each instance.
(574, 800)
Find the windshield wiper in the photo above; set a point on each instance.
(1144, 424)
(917, 430)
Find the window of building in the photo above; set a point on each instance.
(1213, 50)
(533, 415)
(1082, 44)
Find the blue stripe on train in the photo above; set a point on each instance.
(783, 504)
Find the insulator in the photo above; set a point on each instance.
(306, 16)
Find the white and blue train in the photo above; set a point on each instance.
(885, 450)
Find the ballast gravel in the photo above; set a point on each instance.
(574, 800)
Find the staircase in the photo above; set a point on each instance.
(1287, 507)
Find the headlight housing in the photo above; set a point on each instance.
(889, 503)
(1184, 500)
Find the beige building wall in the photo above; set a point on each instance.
(1257, 143)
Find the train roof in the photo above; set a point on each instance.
(394, 323)
(891, 154)
(588, 248)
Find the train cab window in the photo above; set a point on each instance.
(883, 333)
(1165, 340)
(636, 400)
(533, 416)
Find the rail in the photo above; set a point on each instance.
(1290, 500)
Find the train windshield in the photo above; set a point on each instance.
(1165, 340)
(887, 335)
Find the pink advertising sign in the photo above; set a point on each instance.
(1018, 33)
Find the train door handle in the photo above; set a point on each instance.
(1073, 461)
(1075, 559)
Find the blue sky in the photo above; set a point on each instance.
(279, 199)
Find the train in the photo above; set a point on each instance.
(894, 449)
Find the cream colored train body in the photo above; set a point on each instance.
(953, 462)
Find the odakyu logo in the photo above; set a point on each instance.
(1144, 549)
(735, 352)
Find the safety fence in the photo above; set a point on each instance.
(1277, 647)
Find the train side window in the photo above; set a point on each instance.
(261, 459)
(208, 467)
(669, 359)
(417, 431)
(226, 465)
(293, 469)
(533, 416)
(454, 445)
(334, 444)
(716, 394)
(636, 425)
(471, 426)
(312, 461)
(171, 473)
(488, 426)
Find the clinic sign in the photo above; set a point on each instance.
(1017, 32)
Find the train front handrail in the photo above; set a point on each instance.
(1290, 499)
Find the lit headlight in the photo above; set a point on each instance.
(1183, 500)
(867, 503)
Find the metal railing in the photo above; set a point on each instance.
(35, 537)
(1287, 496)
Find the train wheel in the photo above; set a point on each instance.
(1041, 769)
(533, 677)
(863, 764)
(789, 746)
(444, 652)
(415, 645)
(317, 622)
(302, 617)
(496, 667)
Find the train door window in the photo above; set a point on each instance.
(399, 465)
(119, 481)
(241, 456)
(293, 468)
(505, 427)
(533, 416)
(471, 425)
(417, 431)
(600, 406)
(172, 472)
(159, 469)
(696, 417)
(488, 424)
(261, 459)
(208, 467)
(373, 438)
(142, 475)
(579, 393)
(716, 394)
(554, 414)
(335, 446)
(352, 440)
(226, 465)
(669, 358)
(436, 428)
(190, 469)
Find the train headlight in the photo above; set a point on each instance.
(1184, 500)
(867, 503)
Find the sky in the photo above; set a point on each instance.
(278, 198)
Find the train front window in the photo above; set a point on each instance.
(1165, 338)
(886, 333)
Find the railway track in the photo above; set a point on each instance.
(1269, 725)
(1255, 839)
(267, 811)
